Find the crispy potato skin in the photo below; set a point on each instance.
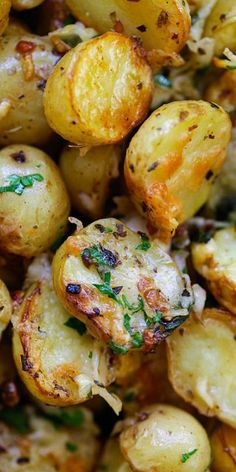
(30, 222)
(4, 14)
(223, 443)
(23, 77)
(158, 438)
(172, 160)
(99, 91)
(215, 261)
(221, 25)
(53, 359)
(223, 91)
(148, 276)
(200, 355)
(25, 4)
(88, 177)
(5, 307)
(161, 24)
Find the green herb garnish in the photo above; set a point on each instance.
(129, 396)
(99, 255)
(106, 289)
(157, 317)
(145, 243)
(18, 183)
(187, 455)
(127, 323)
(90, 354)
(163, 81)
(137, 339)
(69, 20)
(77, 325)
(116, 348)
(16, 418)
(71, 447)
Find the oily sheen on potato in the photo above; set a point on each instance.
(123, 286)
(99, 91)
(172, 160)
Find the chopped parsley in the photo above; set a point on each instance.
(71, 447)
(90, 354)
(116, 348)
(163, 81)
(137, 339)
(103, 229)
(72, 416)
(145, 243)
(127, 323)
(187, 455)
(99, 255)
(17, 183)
(77, 325)
(129, 396)
(106, 288)
(69, 20)
(15, 417)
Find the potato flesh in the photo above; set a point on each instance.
(216, 261)
(221, 25)
(200, 355)
(137, 273)
(160, 438)
(94, 94)
(161, 24)
(183, 145)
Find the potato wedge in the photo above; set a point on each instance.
(25, 64)
(221, 25)
(34, 201)
(36, 445)
(161, 24)
(216, 261)
(202, 359)
(57, 360)
(172, 160)
(223, 444)
(25, 4)
(4, 14)
(124, 287)
(163, 437)
(5, 307)
(88, 177)
(99, 91)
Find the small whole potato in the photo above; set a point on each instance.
(161, 24)
(25, 64)
(5, 6)
(172, 160)
(167, 439)
(25, 4)
(223, 444)
(99, 91)
(221, 25)
(34, 202)
(122, 285)
(223, 91)
(88, 177)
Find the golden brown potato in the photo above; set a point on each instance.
(4, 14)
(163, 437)
(216, 261)
(221, 26)
(202, 359)
(25, 4)
(5, 307)
(161, 24)
(34, 201)
(112, 460)
(126, 289)
(25, 64)
(57, 360)
(223, 91)
(172, 160)
(34, 444)
(223, 444)
(88, 177)
(99, 91)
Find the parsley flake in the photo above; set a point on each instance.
(187, 455)
(145, 243)
(71, 447)
(137, 339)
(17, 183)
(127, 323)
(90, 354)
(116, 348)
(77, 325)
(15, 417)
(106, 288)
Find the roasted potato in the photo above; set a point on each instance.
(112, 460)
(57, 360)
(88, 177)
(223, 91)
(5, 307)
(172, 160)
(216, 261)
(25, 4)
(163, 437)
(221, 25)
(99, 91)
(126, 289)
(25, 64)
(34, 201)
(223, 444)
(202, 359)
(35, 445)
(161, 24)
(4, 14)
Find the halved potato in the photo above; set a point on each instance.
(4, 14)
(221, 25)
(161, 24)
(88, 177)
(123, 286)
(38, 446)
(216, 261)
(223, 444)
(202, 360)
(99, 91)
(172, 160)
(57, 360)
(163, 437)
